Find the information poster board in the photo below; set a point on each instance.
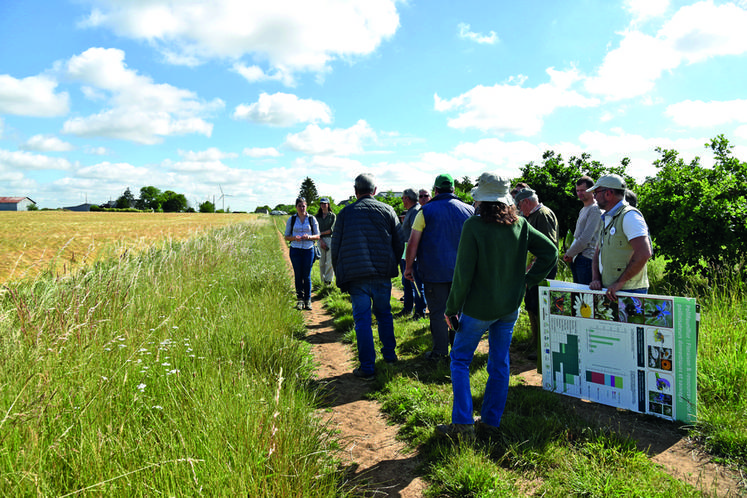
(638, 352)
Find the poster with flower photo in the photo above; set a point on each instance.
(637, 352)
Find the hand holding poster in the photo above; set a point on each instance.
(638, 352)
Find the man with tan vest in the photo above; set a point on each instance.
(624, 247)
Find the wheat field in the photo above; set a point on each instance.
(32, 242)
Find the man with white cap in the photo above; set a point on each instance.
(624, 245)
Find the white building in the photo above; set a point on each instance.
(15, 203)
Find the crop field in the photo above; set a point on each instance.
(31, 242)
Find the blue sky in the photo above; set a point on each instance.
(251, 97)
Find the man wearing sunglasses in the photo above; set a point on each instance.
(624, 247)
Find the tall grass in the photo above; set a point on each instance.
(176, 372)
(548, 447)
(722, 371)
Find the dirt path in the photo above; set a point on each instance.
(375, 460)
(381, 466)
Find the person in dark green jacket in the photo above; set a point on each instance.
(490, 278)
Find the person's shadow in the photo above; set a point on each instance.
(386, 478)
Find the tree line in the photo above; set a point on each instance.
(697, 216)
(153, 199)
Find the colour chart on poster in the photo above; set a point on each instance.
(638, 352)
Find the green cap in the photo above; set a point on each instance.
(444, 181)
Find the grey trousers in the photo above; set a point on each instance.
(436, 295)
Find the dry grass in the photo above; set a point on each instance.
(31, 242)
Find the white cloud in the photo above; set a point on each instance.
(705, 30)
(694, 33)
(292, 34)
(118, 172)
(334, 142)
(510, 108)
(612, 148)
(633, 68)
(135, 125)
(257, 152)
(28, 161)
(255, 74)
(642, 10)
(33, 96)
(96, 151)
(284, 109)
(211, 154)
(141, 110)
(46, 143)
(466, 34)
(500, 153)
(696, 113)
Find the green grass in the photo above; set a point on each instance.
(175, 372)
(547, 447)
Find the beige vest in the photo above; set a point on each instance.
(616, 251)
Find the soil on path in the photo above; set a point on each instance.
(377, 464)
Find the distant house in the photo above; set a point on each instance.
(15, 203)
(79, 207)
(389, 194)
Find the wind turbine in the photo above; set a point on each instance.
(222, 197)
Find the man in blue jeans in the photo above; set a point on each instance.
(413, 291)
(586, 234)
(367, 245)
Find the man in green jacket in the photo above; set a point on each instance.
(544, 220)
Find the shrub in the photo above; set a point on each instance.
(698, 216)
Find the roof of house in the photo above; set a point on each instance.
(13, 200)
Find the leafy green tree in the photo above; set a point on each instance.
(465, 184)
(393, 200)
(555, 184)
(126, 200)
(207, 207)
(288, 208)
(308, 191)
(171, 202)
(150, 198)
(698, 216)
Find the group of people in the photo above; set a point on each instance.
(472, 265)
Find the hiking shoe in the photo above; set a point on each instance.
(299, 304)
(433, 356)
(456, 432)
(417, 316)
(486, 431)
(363, 375)
(307, 304)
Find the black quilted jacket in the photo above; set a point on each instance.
(367, 242)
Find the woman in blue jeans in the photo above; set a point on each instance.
(302, 230)
(487, 290)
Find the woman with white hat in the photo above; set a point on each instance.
(490, 278)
